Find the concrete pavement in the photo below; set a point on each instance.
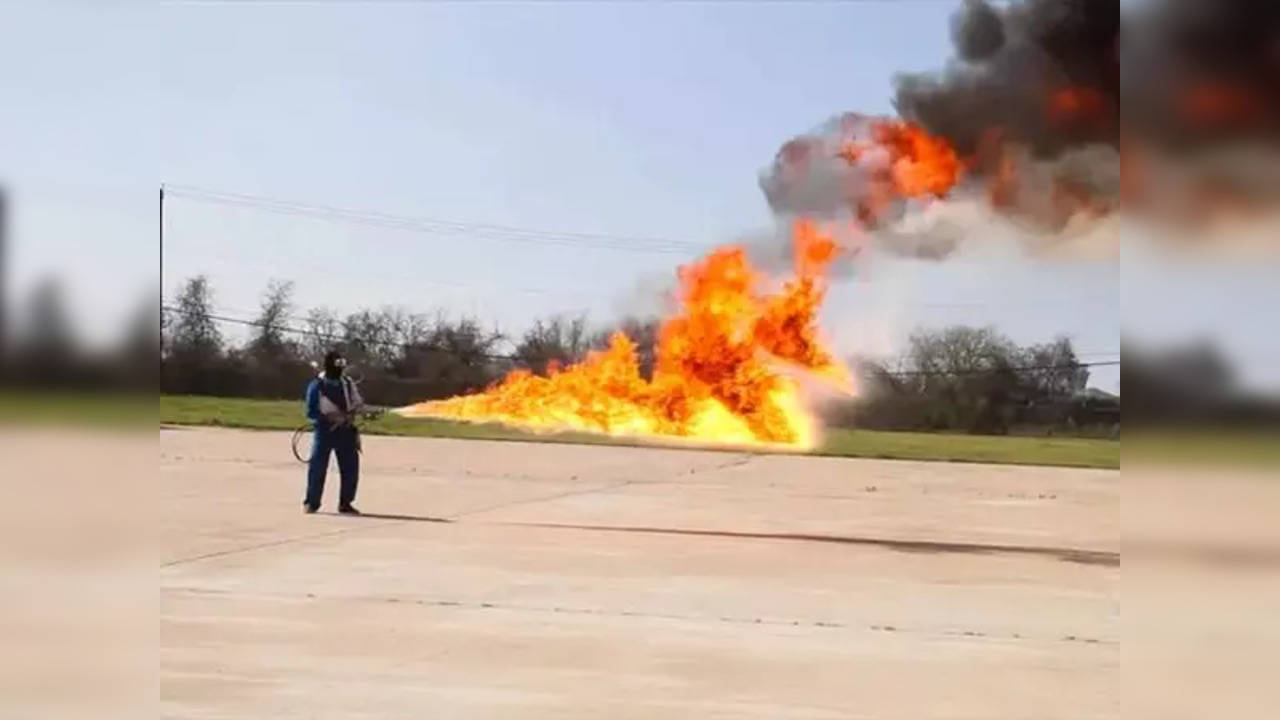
(515, 580)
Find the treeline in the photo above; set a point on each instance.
(978, 380)
(955, 379)
(399, 355)
(1193, 386)
(41, 349)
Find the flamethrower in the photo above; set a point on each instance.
(302, 436)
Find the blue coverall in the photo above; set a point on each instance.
(341, 440)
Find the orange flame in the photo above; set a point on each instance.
(1074, 104)
(922, 163)
(716, 378)
(1219, 104)
(918, 165)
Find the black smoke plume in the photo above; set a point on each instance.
(1042, 73)
(1065, 111)
(1203, 72)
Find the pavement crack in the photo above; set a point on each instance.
(1064, 554)
(559, 609)
(384, 521)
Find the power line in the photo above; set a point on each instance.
(316, 269)
(996, 370)
(501, 233)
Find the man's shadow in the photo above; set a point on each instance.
(388, 516)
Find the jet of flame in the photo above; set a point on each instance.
(717, 376)
(727, 361)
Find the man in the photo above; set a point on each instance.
(332, 403)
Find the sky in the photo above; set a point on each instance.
(627, 120)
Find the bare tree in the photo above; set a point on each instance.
(195, 361)
(46, 329)
(273, 356)
(324, 331)
(369, 338)
(193, 332)
(454, 356)
(975, 379)
(138, 353)
(1054, 369)
(46, 346)
(269, 341)
(409, 328)
(554, 342)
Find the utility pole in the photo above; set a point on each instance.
(161, 278)
(4, 220)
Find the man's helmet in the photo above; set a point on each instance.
(334, 364)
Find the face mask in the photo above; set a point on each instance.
(333, 367)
